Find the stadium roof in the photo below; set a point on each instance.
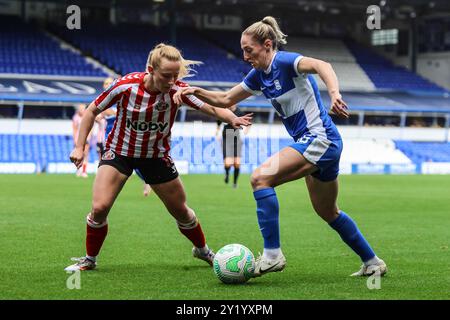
(334, 7)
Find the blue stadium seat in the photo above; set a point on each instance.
(385, 75)
(115, 47)
(425, 151)
(26, 49)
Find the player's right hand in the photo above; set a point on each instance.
(77, 156)
(339, 107)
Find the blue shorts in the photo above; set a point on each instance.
(139, 174)
(324, 153)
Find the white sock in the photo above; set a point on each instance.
(374, 260)
(91, 258)
(271, 254)
(204, 250)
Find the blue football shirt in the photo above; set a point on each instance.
(295, 96)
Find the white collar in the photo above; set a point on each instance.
(269, 68)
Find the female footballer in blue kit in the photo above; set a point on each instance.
(283, 77)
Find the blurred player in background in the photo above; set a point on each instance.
(109, 116)
(231, 146)
(76, 122)
(140, 139)
(100, 123)
(283, 77)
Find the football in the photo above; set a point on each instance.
(234, 263)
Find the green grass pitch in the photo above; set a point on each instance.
(406, 219)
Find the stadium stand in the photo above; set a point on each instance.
(364, 77)
(425, 151)
(351, 75)
(41, 148)
(358, 68)
(377, 151)
(228, 40)
(34, 148)
(114, 47)
(387, 76)
(25, 49)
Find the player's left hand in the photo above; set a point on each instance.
(184, 91)
(339, 107)
(245, 120)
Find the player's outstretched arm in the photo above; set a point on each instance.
(220, 99)
(327, 74)
(77, 154)
(227, 116)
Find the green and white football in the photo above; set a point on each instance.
(234, 263)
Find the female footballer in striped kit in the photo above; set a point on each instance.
(109, 117)
(283, 77)
(140, 139)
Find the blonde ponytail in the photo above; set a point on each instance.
(267, 28)
(172, 54)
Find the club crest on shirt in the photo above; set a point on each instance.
(277, 85)
(161, 105)
(108, 155)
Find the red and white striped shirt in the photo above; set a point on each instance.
(144, 119)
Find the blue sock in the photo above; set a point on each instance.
(351, 235)
(267, 211)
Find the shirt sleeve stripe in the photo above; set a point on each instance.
(296, 61)
(104, 101)
(192, 101)
(246, 88)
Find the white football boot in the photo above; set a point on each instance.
(83, 264)
(378, 268)
(264, 265)
(208, 257)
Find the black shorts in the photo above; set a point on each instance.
(231, 144)
(154, 170)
